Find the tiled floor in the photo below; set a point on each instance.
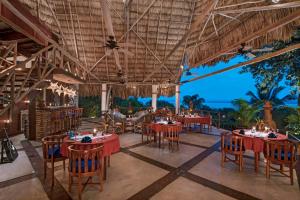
(247, 181)
(183, 188)
(143, 171)
(31, 189)
(174, 158)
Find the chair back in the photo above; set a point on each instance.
(281, 151)
(51, 146)
(85, 159)
(173, 132)
(231, 143)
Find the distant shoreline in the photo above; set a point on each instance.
(228, 104)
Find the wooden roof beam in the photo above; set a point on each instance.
(46, 37)
(17, 22)
(264, 30)
(250, 62)
(137, 21)
(259, 8)
(193, 27)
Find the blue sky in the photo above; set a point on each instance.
(222, 87)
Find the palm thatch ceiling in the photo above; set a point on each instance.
(162, 34)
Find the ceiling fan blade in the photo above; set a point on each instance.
(126, 45)
(108, 52)
(250, 55)
(266, 49)
(107, 18)
(229, 53)
(126, 52)
(117, 58)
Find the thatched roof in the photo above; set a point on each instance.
(203, 29)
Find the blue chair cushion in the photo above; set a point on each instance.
(55, 151)
(289, 155)
(81, 164)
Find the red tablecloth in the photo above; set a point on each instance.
(257, 144)
(158, 128)
(195, 120)
(111, 145)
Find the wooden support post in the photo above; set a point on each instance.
(103, 98)
(154, 97)
(177, 97)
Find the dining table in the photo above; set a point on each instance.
(188, 120)
(255, 141)
(161, 128)
(110, 142)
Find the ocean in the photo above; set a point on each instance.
(228, 104)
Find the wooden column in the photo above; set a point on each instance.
(154, 97)
(177, 99)
(103, 98)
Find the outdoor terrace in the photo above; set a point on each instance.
(143, 171)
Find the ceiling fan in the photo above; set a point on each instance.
(248, 51)
(111, 44)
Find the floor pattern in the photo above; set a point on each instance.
(142, 171)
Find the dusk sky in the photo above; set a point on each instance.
(222, 87)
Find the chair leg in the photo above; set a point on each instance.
(79, 188)
(45, 169)
(222, 159)
(52, 169)
(64, 165)
(291, 175)
(240, 162)
(108, 161)
(268, 169)
(281, 168)
(101, 180)
(70, 182)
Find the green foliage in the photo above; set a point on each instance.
(245, 113)
(197, 101)
(268, 93)
(293, 121)
(91, 106)
(280, 115)
(269, 73)
(123, 104)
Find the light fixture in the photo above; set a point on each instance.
(275, 1)
(188, 73)
(181, 67)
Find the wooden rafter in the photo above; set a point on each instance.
(282, 22)
(250, 62)
(259, 8)
(193, 27)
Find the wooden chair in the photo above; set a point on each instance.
(282, 153)
(233, 145)
(85, 163)
(147, 131)
(51, 153)
(173, 136)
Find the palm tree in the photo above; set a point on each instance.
(245, 113)
(268, 93)
(197, 101)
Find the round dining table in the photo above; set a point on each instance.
(162, 128)
(256, 142)
(110, 142)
